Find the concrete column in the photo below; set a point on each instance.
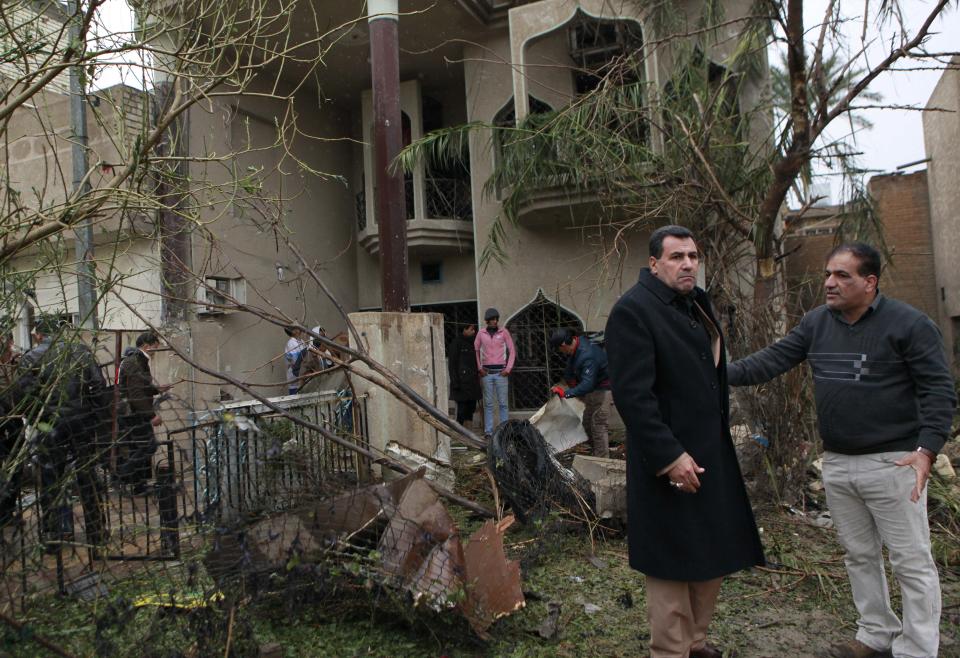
(410, 345)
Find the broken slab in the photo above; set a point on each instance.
(436, 471)
(608, 481)
(560, 422)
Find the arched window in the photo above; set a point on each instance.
(537, 367)
(598, 45)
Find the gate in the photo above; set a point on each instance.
(537, 367)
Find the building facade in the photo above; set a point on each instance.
(487, 61)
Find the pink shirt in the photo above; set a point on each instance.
(495, 350)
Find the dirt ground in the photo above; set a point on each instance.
(797, 606)
(579, 591)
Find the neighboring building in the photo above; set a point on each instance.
(941, 136)
(490, 61)
(901, 204)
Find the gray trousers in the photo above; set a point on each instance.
(869, 499)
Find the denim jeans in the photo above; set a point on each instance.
(494, 391)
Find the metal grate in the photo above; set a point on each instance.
(456, 316)
(449, 198)
(537, 367)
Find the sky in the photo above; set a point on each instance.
(896, 137)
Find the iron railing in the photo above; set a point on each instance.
(444, 198)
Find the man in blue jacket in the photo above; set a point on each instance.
(586, 374)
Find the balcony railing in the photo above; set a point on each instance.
(449, 198)
(444, 198)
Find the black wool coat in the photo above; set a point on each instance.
(674, 399)
(464, 377)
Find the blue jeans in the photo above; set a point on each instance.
(494, 390)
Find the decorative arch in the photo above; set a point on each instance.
(537, 367)
(559, 14)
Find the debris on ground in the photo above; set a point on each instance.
(560, 422)
(548, 627)
(396, 534)
(591, 608)
(944, 468)
(436, 470)
(608, 482)
(531, 479)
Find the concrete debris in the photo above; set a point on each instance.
(548, 627)
(944, 468)
(599, 563)
(591, 608)
(398, 534)
(436, 471)
(608, 481)
(816, 486)
(560, 421)
(818, 465)
(823, 520)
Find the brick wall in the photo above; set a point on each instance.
(903, 205)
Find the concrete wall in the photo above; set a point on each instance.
(941, 136)
(313, 208)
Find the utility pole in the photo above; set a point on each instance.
(383, 17)
(83, 244)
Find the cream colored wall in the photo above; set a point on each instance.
(131, 265)
(566, 263)
(317, 212)
(573, 266)
(458, 284)
(941, 136)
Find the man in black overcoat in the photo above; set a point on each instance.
(689, 519)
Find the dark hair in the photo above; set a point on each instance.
(289, 329)
(147, 338)
(561, 337)
(47, 324)
(656, 238)
(868, 258)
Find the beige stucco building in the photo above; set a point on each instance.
(489, 61)
(941, 136)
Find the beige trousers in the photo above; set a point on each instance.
(679, 613)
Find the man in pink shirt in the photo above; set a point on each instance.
(495, 357)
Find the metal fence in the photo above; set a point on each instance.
(252, 459)
(244, 459)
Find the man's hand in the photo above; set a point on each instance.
(483, 372)
(559, 391)
(504, 372)
(685, 473)
(920, 463)
(156, 421)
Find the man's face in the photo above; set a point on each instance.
(845, 289)
(678, 264)
(470, 331)
(567, 349)
(493, 322)
(150, 347)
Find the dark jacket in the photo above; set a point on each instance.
(881, 384)
(136, 385)
(464, 378)
(60, 380)
(586, 369)
(673, 399)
